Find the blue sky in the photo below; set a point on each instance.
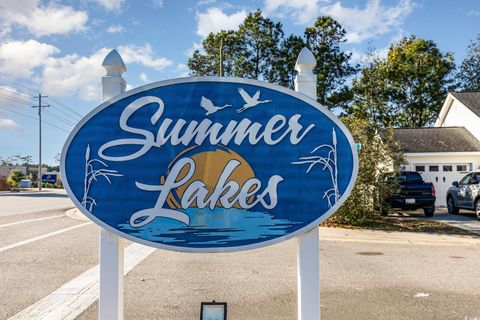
(56, 47)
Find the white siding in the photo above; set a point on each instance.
(461, 116)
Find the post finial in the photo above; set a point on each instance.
(305, 62)
(114, 64)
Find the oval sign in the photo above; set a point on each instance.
(209, 164)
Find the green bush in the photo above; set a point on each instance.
(379, 155)
(15, 177)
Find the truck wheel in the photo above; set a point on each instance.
(451, 206)
(429, 211)
(477, 209)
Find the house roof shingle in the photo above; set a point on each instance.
(470, 99)
(444, 139)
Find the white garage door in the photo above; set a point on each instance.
(442, 175)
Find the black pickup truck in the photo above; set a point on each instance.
(412, 193)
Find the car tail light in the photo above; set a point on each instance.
(433, 190)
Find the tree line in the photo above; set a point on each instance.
(405, 89)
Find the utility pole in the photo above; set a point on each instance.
(221, 57)
(40, 106)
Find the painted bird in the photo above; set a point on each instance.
(250, 102)
(208, 105)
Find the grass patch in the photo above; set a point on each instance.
(399, 224)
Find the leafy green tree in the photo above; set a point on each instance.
(371, 101)
(379, 155)
(208, 63)
(469, 72)
(406, 89)
(419, 78)
(333, 67)
(285, 65)
(15, 177)
(258, 48)
(16, 160)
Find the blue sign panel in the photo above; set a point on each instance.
(209, 164)
(49, 178)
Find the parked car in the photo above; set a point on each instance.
(413, 193)
(465, 194)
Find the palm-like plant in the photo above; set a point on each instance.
(329, 163)
(91, 174)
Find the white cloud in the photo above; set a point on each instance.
(74, 75)
(182, 70)
(143, 55)
(372, 20)
(214, 20)
(157, 3)
(40, 19)
(71, 74)
(381, 53)
(12, 99)
(9, 123)
(115, 29)
(20, 58)
(205, 2)
(300, 11)
(473, 13)
(144, 78)
(110, 5)
(195, 46)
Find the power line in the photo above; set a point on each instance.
(60, 118)
(18, 84)
(16, 92)
(66, 107)
(49, 97)
(14, 99)
(28, 116)
(65, 114)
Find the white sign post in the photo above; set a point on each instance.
(111, 245)
(308, 259)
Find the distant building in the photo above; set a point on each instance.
(6, 170)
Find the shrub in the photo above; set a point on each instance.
(15, 177)
(379, 155)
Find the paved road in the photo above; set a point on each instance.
(364, 274)
(19, 203)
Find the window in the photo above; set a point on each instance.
(420, 168)
(433, 168)
(462, 168)
(465, 179)
(413, 177)
(475, 178)
(447, 168)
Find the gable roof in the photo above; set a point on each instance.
(470, 99)
(443, 139)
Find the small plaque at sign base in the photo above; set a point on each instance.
(213, 311)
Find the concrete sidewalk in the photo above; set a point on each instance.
(465, 220)
(395, 237)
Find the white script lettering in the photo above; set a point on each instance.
(275, 130)
(227, 192)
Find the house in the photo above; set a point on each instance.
(446, 152)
